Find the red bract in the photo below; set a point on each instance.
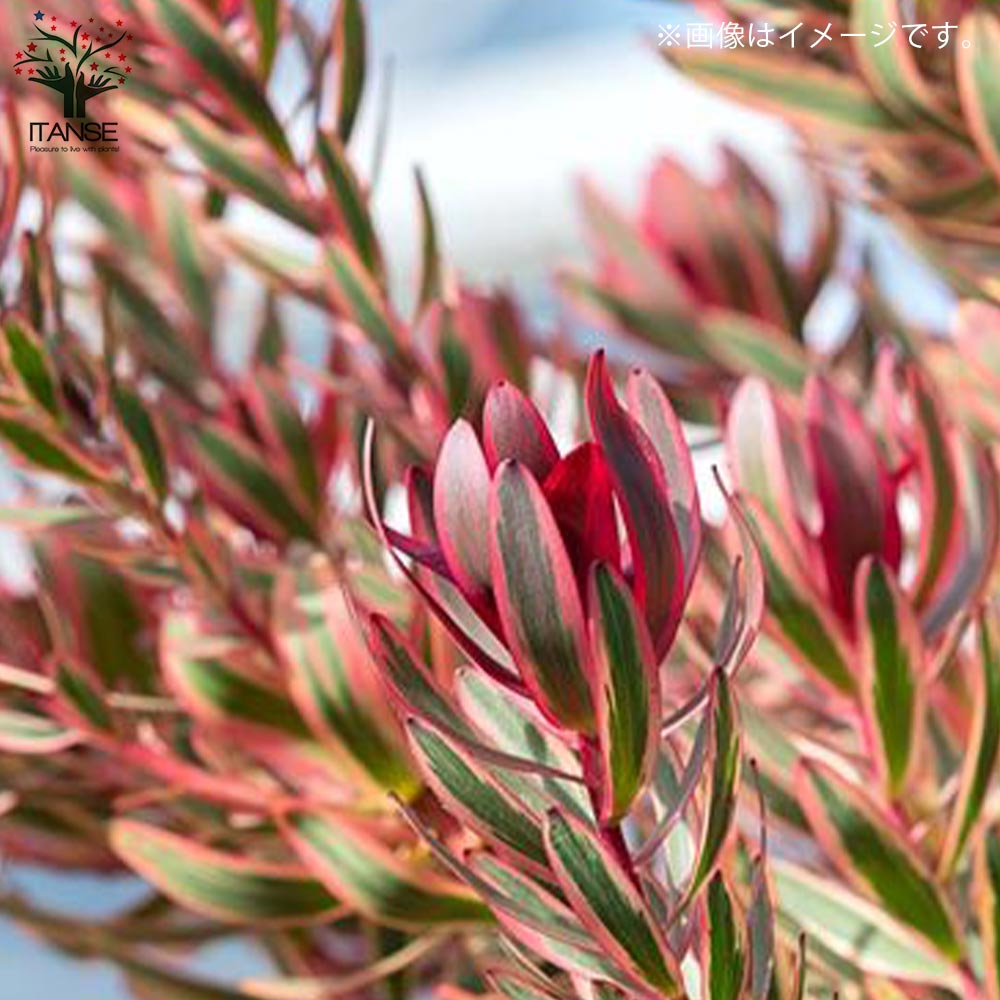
(553, 572)
(825, 499)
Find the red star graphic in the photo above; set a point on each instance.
(128, 69)
(93, 65)
(72, 24)
(32, 46)
(119, 23)
(85, 36)
(18, 55)
(91, 20)
(18, 71)
(107, 55)
(121, 57)
(62, 59)
(128, 38)
(30, 72)
(61, 51)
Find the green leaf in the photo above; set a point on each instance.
(266, 14)
(238, 169)
(431, 277)
(83, 697)
(475, 797)
(609, 904)
(237, 472)
(871, 853)
(538, 599)
(363, 872)
(142, 438)
(28, 733)
(626, 692)
(986, 897)
(726, 955)
(723, 782)
(203, 40)
(332, 678)
(858, 931)
(352, 203)
(363, 302)
(232, 889)
(350, 55)
(27, 358)
(978, 65)
(891, 668)
(41, 448)
(983, 748)
(793, 87)
(891, 67)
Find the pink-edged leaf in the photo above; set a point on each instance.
(724, 780)
(650, 407)
(874, 854)
(626, 692)
(609, 904)
(25, 733)
(891, 672)
(416, 692)
(226, 887)
(971, 561)
(768, 458)
(451, 608)
(580, 493)
(797, 615)
(983, 749)
(332, 678)
(477, 798)
(538, 599)
(513, 428)
(461, 507)
(856, 493)
(362, 871)
(938, 496)
(641, 487)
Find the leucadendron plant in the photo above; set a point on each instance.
(905, 89)
(881, 661)
(700, 282)
(595, 810)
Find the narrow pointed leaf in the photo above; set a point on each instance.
(986, 896)
(609, 903)
(651, 409)
(332, 678)
(477, 798)
(983, 748)
(538, 599)
(143, 438)
(873, 855)
(724, 779)
(641, 487)
(626, 692)
(360, 870)
(857, 930)
(28, 733)
(891, 667)
(28, 360)
(979, 81)
(461, 507)
(224, 887)
(726, 958)
(349, 52)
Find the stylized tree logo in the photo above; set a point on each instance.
(64, 61)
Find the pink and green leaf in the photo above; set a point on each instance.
(538, 599)
(609, 903)
(225, 887)
(626, 692)
(892, 671)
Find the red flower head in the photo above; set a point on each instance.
(558, 573)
